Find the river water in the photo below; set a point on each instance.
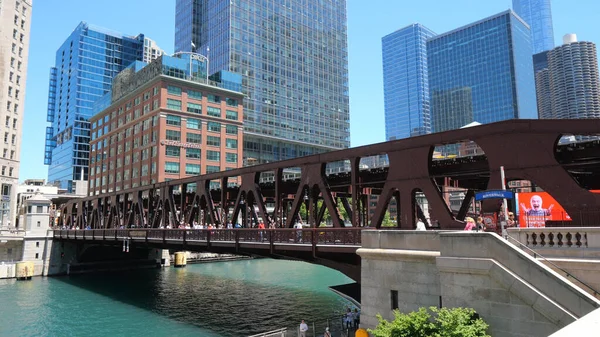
(222, 299)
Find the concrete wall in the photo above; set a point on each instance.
(11, 250)
(514, 293)
(579, 257)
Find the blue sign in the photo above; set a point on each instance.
(494, 194)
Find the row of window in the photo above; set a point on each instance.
(193, 123)
(10, 171)
(175, 104)
(174, 167)
(190, 153)
(193, 94)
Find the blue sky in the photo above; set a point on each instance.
(368, 22)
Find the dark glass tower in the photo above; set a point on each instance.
(294, 62)
(481, 72)
(538, 15)
(405, 86)
(85, 65)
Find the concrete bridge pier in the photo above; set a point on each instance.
(62, 255)
(161, 256)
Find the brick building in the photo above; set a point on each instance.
(166, 121)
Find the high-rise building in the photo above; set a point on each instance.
(538, 15)
(570, 86)
(481, 72)
(405, 86)
(15, 23)
(151, 50)
(85, 66)
(294, 61)
(165, 122)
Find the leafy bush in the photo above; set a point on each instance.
(456, 322)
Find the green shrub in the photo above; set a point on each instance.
(456, 322)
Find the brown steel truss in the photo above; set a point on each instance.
(526, 148)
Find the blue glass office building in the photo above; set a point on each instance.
(538, 15)
(481, 72)
(85, 66)
(294, 62)
(405, 86)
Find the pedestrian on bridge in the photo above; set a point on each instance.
(303, 329)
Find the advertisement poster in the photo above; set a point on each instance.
(490, 221)
(535, 208)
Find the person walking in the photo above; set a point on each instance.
(327, 333)
(303, 329)
(470, 224)
(421, 225)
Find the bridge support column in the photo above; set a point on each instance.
(62, 254)
(161, 256)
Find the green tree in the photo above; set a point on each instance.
(387, 221)
(456, 322)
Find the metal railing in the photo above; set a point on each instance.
(537, 255)
(307, 236)
(336, 325)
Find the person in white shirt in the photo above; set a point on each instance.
(303, 329)
(421, 225)
(299, 226)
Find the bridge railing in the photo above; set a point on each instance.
(312, 236)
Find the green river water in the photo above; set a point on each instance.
(222, 299)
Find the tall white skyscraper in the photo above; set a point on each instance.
(15, 22)
(570, 86)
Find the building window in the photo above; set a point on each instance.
(173, 104)
(194, 94)
(231, 157)
(394, 299)
(155, 91)
(193, 138)
(213, 98)
(194, 108)
(173, 135)
(192, 169)
(214, 112)
(231, 129)
(171, 167)
(231, 102)
(214, 126)
(37, 244)
(10, 171)
(37, 255)
(213, 141)
(192, 153)
(173, 120)
(193, 123)
(172, 151)
(230, 114)
(212, 169)
(173, 90)
(231, 143)
(213, 155)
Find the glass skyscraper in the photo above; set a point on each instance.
(294, 61)
(482, 72)
(538, 15)
(84, 68)
(406, 90)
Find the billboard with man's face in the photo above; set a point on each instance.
(535, 208)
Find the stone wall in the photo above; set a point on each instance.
(513, 292)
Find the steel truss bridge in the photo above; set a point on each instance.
(528, 150)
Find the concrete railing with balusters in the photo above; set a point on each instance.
(573, 252)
